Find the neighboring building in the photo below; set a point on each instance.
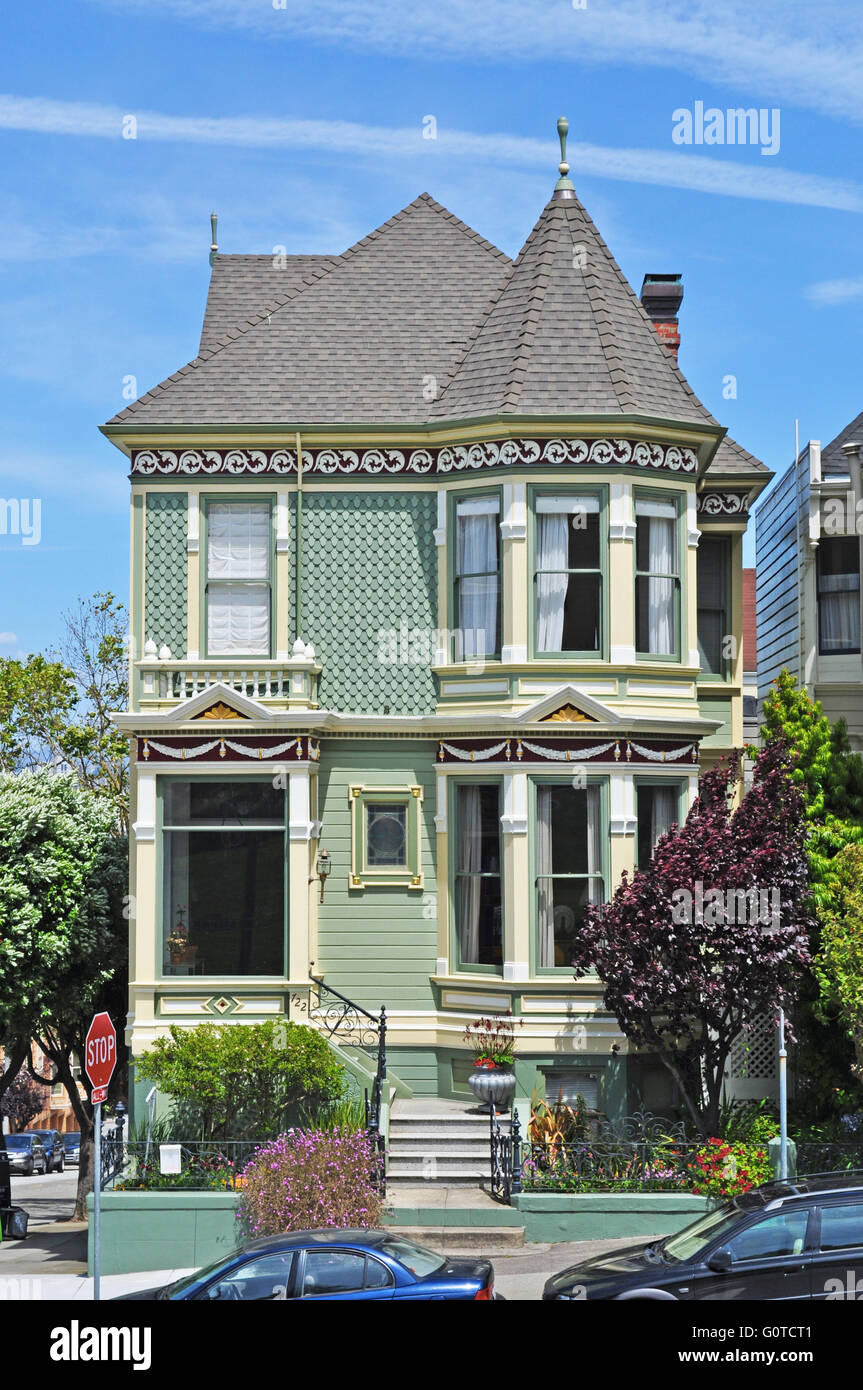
(808, 567)
(750, 666)
(57, 1112)
(436, 568)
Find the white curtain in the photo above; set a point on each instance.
(476, 555)
(470, 843)
(238, 549)
(552, 555)
(594, 842)
(661, 519)
(545, 897)
(663, 812)
(839, 613)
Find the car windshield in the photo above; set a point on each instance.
(415, 1258)
(687, 1244)
(72, 1139)
(17, 1142)
(200, 1276)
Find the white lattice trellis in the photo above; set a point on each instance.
(753, 1054)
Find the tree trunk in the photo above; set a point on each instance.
(695, 1112)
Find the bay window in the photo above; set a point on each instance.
(238, 597)
(224, 854)
(569, 865)
(568, 574)
(477, 577)
(657, 571)
(478, 895)
(839, 595)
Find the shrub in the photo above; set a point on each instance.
(728, 1170)
(237, 1081)
(303, 1181)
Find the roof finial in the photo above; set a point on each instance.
(564, 188)
(214, 223)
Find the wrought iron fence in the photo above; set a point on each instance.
(505, 1150)
(350, 1025)
(611, 1165)
(823, 1157)
(200, 1164)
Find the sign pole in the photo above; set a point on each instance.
(97, 1197)
(783, 1099)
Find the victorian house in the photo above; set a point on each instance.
(437, 615)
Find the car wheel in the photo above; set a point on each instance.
(32, 1169)
(62, 1165)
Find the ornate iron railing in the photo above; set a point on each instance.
(506, 1151)
(817, 1157)
(113, 1152)
(350, 1025)
(203, 1164)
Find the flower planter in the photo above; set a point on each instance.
(493, 1086)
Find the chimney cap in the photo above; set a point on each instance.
(662, 295)
(852, 448)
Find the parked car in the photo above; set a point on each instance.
(72, 1145)
(54, 1148)
(799, 1238)
(349, 1265)
(26, 1154)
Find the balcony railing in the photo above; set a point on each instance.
(167, 680)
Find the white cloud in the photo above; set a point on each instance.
(667, 168)
(793, 51)
(8, 639)
(825, 293)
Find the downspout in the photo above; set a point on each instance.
(298, 544)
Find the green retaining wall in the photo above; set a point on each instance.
(559, 1216)
(163, 1230)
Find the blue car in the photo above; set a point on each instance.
(331, 1264)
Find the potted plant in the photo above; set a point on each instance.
(492, 1079)
(178, 940)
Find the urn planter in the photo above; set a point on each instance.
(493, 1086)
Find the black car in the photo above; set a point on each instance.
(799, 1238)
(72, 1145)
(351, 1265)
(26, 1154)
(55, 1152)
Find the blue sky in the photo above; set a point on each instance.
(303, 127)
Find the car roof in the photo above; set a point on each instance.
(848, 1184)
(325, 1236)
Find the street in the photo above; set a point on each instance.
(48, 1198)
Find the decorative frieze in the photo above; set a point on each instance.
(237, 750)
(722, 504)
(448, 459)
(518, 749)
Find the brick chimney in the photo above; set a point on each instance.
(662, 296)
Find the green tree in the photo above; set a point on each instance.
(839, 965)
(62, 928)
(55, 709)
(244, 1082)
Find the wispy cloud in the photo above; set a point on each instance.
(828, 292)
(8, 639)
(792, 51)
(667, 168)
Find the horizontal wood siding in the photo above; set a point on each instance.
(776, 585)
(377, 945)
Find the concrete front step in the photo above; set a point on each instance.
(453, 1240)
(431, 1134)
(455, 1147)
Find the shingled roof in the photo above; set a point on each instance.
(833, 461)
(424, 321)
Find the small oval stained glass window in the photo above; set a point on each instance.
(386, 835)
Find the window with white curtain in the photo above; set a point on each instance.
(839, 595)
(238, 579)
(657, 809)
(713, 622)
(569, 839)
(477, 578)
(478, 899)
(568, 573)
(657, 576)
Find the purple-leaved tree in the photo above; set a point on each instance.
(712, 933)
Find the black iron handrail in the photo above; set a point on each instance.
(350, 1024)
(505, 1157)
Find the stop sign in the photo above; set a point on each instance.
(100, 1055)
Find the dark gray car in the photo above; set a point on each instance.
(55, 1153)
(26, 1154)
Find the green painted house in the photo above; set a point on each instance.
(436, 585)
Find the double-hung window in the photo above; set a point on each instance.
(657, 809)
(478, 897)
(477, 577)
(839, 595)
(569, 872)
(657, 576)
(238, 579)
(713, 624)
(568, 574)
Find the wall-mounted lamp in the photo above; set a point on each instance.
(324, 867)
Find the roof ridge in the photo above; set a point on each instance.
(314, 275)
